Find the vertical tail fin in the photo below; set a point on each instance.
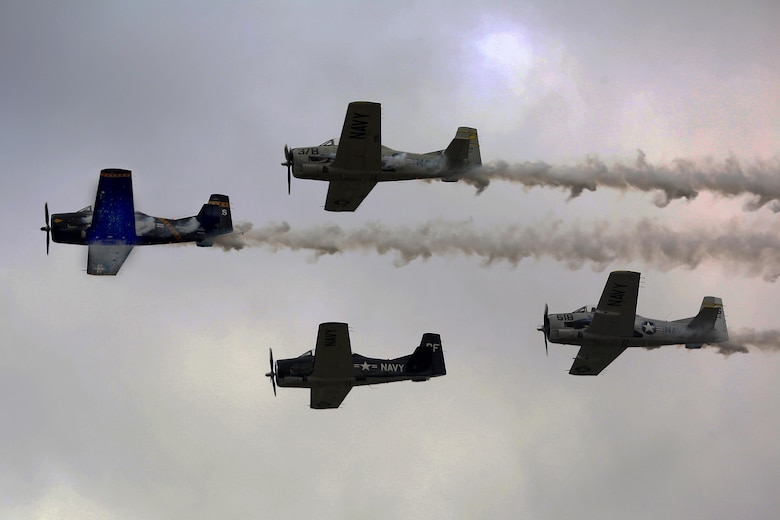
(215, 217)
(474, 157)
(720, 321)
(462, 152)
(428, 358)
(711, 318)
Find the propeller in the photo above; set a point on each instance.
(545, 329)
(272, 374)
(47, 227)
(289, 163)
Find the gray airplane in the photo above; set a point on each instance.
(113, 228)
(333, 369)
(354, 163)
(605, 330)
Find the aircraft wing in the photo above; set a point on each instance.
(616, 311)
(333, 354)
(592, 359)
(333, 372)
(347, 195)
(360, 145)
(107, 259)
(111, 235)
(329, 395)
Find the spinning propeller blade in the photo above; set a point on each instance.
(272, 374)
(47, 227)
(288, 156)
(545, 329)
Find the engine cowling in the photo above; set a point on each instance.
(564, 334)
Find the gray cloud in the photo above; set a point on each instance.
(682, 179)
(143, 396)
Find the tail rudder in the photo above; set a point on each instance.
(474, 158)
(428, 358)
(462, 153)
(215, 218)
(720, 321)
(711, 317)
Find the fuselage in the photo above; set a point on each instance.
(297, 372)
(73, 228)
(572, 329)
(316, 163)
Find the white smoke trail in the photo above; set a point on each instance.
(765, 340)
(728, 348)
(683, 179)
(599, 243)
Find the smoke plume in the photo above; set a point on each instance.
(766, 340)
(682, 179)
(599, 244)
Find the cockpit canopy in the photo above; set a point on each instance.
(585, 308)
(306, 354)
(331, 142)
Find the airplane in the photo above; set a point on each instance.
(113, 228)
(332, 370)
(604, 331)
(355, 162)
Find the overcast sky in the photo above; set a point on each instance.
(143, 395)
